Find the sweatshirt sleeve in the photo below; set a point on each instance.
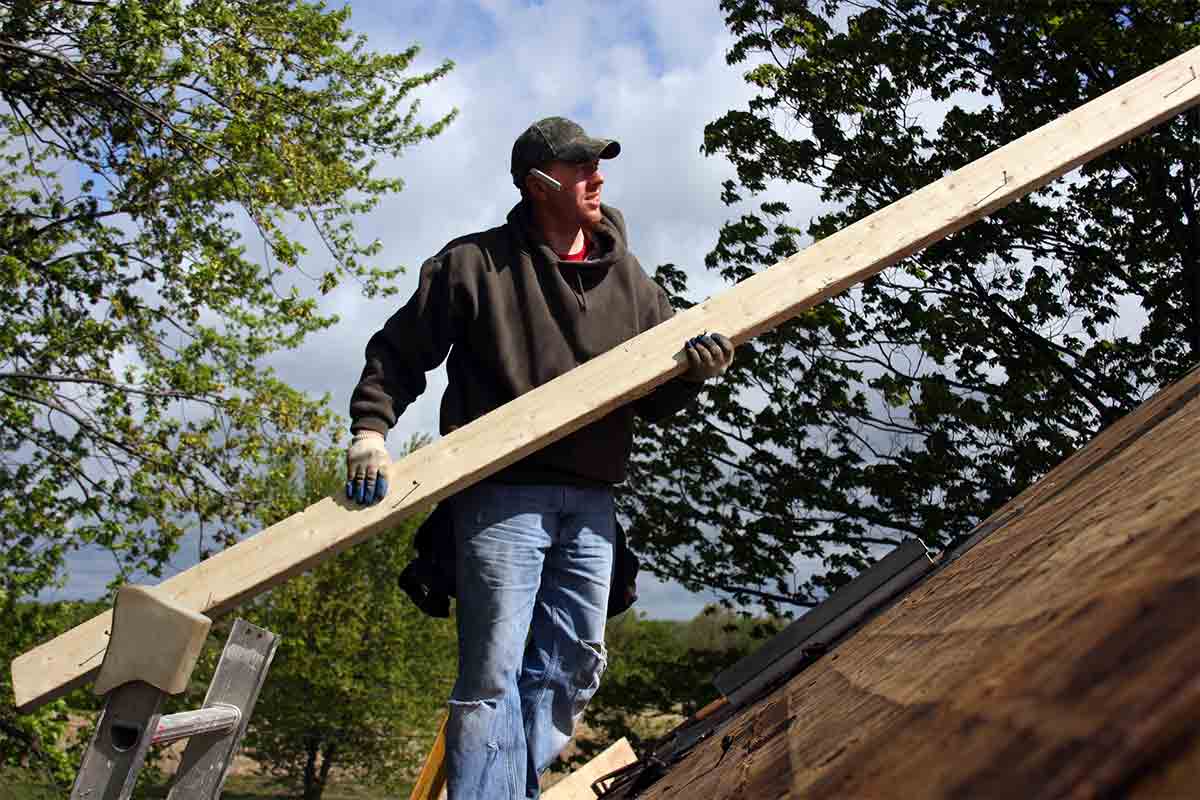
(413, 341)
(676, 393)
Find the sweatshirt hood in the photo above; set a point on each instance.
(607, 236)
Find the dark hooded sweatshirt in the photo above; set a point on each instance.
(512, 315)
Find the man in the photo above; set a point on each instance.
(513, 307)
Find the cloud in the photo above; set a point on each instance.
(634, 70)
(661, 600)
(621, 69)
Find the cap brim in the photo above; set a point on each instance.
(586, 148)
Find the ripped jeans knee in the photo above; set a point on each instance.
(475, 721)
(584, 675)
(484, 750)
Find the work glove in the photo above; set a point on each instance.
(709, 355)
(367, 462)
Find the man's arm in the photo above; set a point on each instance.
(709, 355)
(413, 341)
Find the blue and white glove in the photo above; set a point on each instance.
(367, 463)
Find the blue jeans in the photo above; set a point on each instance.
(534, 565)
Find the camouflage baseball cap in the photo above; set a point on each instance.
(556, 139)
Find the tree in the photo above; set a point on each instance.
(360, 675)
(156, 159)
(933, 393)
(37, 744)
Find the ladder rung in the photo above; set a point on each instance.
(217, 718)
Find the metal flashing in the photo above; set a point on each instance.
(894, 584)
(892, 573)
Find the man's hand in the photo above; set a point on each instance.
(709, 355)
(367, 462)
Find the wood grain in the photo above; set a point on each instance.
(1057, 658)
(431, 783)
(578, 785)
(636, 367)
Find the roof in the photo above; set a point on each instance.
(1055, 654)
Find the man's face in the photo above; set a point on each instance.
(579, 200)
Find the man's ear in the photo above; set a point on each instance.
(534, 189)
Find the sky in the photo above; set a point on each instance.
(649, 73)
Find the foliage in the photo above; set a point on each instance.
(928, 396)
(160, 163)
(37, 742)
(361, 674)
(660, 670)
(19, 785)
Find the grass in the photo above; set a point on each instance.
(255, 787)
(20, 785)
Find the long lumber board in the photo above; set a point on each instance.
(636, 367)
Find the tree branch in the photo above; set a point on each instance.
(778, 598)
(29, 376)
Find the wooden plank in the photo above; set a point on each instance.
(236, 682)
(1059, 657)
(578, 785)
(634, 368)
(432, 780)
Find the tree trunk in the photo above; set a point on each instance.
(330, 750)
(312, 790)
(316, 779)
